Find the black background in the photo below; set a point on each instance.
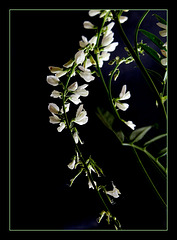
(40, 196)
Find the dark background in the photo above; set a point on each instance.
(40, 196)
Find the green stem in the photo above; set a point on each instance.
(137, 29)
(148, 154)
(139, 63)
(150, 180)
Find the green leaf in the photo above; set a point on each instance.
(106, 117)
(155, 139)
(162, 153)
(139, 133)
(120, 136)
(153, 38)
(155, 75)
(161, 20)
(156, 56)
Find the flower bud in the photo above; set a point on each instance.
(88, 25)
(53, 108)
(52, 80)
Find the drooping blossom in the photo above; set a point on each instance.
(53, 80)
(79, 57)
(81, 116)
(130, 124)
(115, 192)
(123, 96)
(88, 25)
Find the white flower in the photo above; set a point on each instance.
(106, 40)
(163, 33)
(104, 13)
(69, 63)
(84, 42)
(111, 47)
(61, 127)
(90, 184)
(108, 28)
(67, 105)
(53, 108)
(86, 74)
(88, 25)
(76, 137)
(54, 119)
(81, 90)
(80, 57)
(122, 106)
(75, 99)
(81, 116)
(122, 19)
(164, 60)
(104, 56)
(59, 72)
(56, 94)
(73, 87)
(124, 95)
(130, 124)
(52, 80)
(93, 13)
(71, 165)
(114, 193)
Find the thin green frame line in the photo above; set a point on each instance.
(63, 230)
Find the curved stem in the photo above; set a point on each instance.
(139, 63)
(157, 163)
(147, 175)
(137, 29)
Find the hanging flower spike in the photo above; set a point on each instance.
(53, 80)
(81, 117)
(115, 192)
